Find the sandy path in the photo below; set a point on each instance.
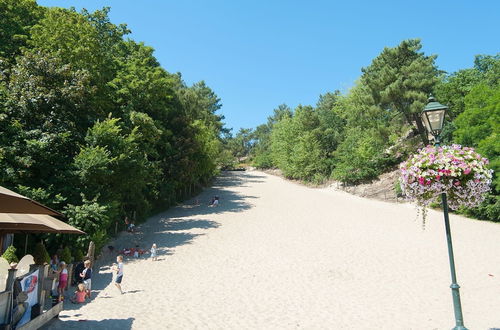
(277, 255)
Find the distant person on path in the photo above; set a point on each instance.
(130, 225)
(154, 252)
(63, 280)
(118, 268)
(136, 251)
(215, 202)
(86, 276)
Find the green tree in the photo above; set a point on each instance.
(453, 89)
(91, 217)
(261, 148)
(241, 144)
(479, 125)
(359, 157)
(18, 16)
(400, 79)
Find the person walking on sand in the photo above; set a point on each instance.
(154, 252)
(118, 268)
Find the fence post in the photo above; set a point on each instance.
(11, 277)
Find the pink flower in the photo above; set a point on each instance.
(421, 180)
(438, 177)
(467, 171)
(457, 183)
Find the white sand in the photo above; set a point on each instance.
(277, 255)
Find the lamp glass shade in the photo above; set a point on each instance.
(433, 120)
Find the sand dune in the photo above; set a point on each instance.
(277, 255)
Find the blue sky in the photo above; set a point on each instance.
(258, 54)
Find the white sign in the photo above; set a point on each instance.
(29, 284)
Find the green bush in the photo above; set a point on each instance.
(40, 255)
(91, 217)
(66, 255)
(263, 160)
(360, 156)
(10, 254)
(77, 255)
(488, 210)
(99, 238)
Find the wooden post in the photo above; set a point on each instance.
(26, 245)
(11, 277)
(91, 252)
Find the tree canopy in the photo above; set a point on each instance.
(355, 136)
(92, 125)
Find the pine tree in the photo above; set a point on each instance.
(401, 79)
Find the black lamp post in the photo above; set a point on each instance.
(433, 118)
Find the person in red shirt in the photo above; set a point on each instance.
(80, 294)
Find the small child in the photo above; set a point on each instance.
(80, 294)
(86, 276)
(119, 272)
(154, 252)
(63, 279)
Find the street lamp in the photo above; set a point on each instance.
(433, 118)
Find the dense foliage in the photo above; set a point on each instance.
(91, 124)
(356, 136)
(10, 255)
(40, 254)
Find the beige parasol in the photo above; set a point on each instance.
(34, 223)
(11, 202)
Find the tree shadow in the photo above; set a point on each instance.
(231, 179)
(180, 224)
(169, 229)
(122, 324)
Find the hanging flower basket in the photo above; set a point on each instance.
(458, 171)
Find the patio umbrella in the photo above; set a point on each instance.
(11, 202)
(11, 223)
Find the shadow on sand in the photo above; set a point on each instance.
(181, 224)
(177, 226)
